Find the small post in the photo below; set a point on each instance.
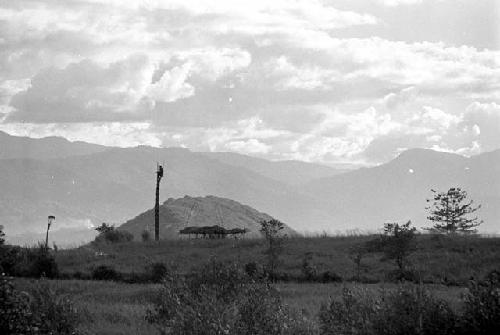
(50, 220)
(159, 175)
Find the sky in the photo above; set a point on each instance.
(323, 81)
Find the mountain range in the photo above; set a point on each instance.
(84, 184)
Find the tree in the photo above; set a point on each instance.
(449, 211)
(108, 233)
(272, 231)
(105, 228)
(2, 236)
(398, 242)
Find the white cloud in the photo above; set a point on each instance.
(250, 146)
(172, 85)
(86, 91)
(281, 79)
(482, 122)
(306, 77)
(393, 3)
(393, 100)
(105, 133)
(434, 119)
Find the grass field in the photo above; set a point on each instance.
(118, 308)
(444, 266)
(438, 259)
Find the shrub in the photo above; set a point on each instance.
(352, 315)
(261, 312)
(15, 313)
(356, 253)
(33, 262)
(42, 311)
(10, 258)
(145, 236)
(330, 277)
(41, 263)
(413, 310)
(157, 271)
(114, 236)
(405, 275)
(53, 313)
(481, 313)
(104, 228)
(108, 234)
(408, 310)
(105, 272)
(309, 271)
(251, 269)
(221, 299)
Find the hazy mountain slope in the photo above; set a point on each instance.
(176, 214)
(48, 147)
(63, 238)
(115, 185)
(398, 190)
(289, 172)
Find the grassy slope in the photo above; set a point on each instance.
(452, 260)
(118, 308)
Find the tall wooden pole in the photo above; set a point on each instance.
(159, 175)
(51, 219)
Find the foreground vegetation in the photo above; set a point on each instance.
(395, 283)
(212, 298)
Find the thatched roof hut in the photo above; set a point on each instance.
(212, 231)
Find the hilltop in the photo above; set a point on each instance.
(176, 214)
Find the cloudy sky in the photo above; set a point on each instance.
(325, 81)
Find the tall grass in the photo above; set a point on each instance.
(450, 260)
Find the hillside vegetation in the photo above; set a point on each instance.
(437, 259)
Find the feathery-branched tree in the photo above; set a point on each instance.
(450, 212)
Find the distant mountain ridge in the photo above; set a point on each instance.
(289, 172)
(116, 184)
(397, 190)
(12, 147)
(176, 214)
(88, 185)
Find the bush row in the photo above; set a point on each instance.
(28, 262)
(40, 311)
(223, 299)
(413, 310)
